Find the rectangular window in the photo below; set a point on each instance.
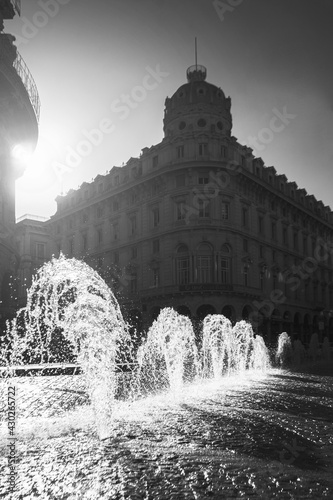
(134, 252)
(134, 283)
(261, 280)
(156, 277)
(155, 161)
(246, 275)
(225, 271)
(260, 225)
(245, 245)
(115, 231)
(225, 210)
(180, 152)
(181, 210)
(134, 197)
(203, 208)
(273, 231)
(40, 250)
(156, 216)
(313, 247)
(116, 180)
(99, 236)
(115, 206)
(245, 217)
(132, 225)
(204, 268)
(261, 252)
(133, 172)
(285, 236)
(156, 246)
(295, 241)
(203, 149)
(274, 281)
(203, 179)
(116, 257)
(223, 151)
(183, 273)
(305, 245)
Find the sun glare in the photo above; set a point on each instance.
(39, 175)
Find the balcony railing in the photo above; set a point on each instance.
(28, 82)
(17, 6)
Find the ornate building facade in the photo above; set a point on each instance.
(19, 112)
(198, 223)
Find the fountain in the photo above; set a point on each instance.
(284, 352)
(69, 300)
(169, 355)
(217, 346)
(67, 294)
(160, 444)
(228, 349)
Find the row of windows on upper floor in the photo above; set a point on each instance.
(203, 267)
(109, 182)
(203, 209)
(113, 205)
(320, 266)
(203, 150)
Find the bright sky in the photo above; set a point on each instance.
(269, 56)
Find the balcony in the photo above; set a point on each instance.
(11, 58)
(29, 83)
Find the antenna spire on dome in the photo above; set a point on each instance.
(196, 72)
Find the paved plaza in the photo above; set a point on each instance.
(255, 437)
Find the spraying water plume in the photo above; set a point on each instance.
(69, 295)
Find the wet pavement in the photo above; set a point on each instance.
(265, 436)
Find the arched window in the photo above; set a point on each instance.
(182, 265)
(225, 264)
(204, 263)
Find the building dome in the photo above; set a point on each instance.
(197, 106)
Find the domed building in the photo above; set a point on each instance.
(201, 106)
(19, 112)
(199, 224)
